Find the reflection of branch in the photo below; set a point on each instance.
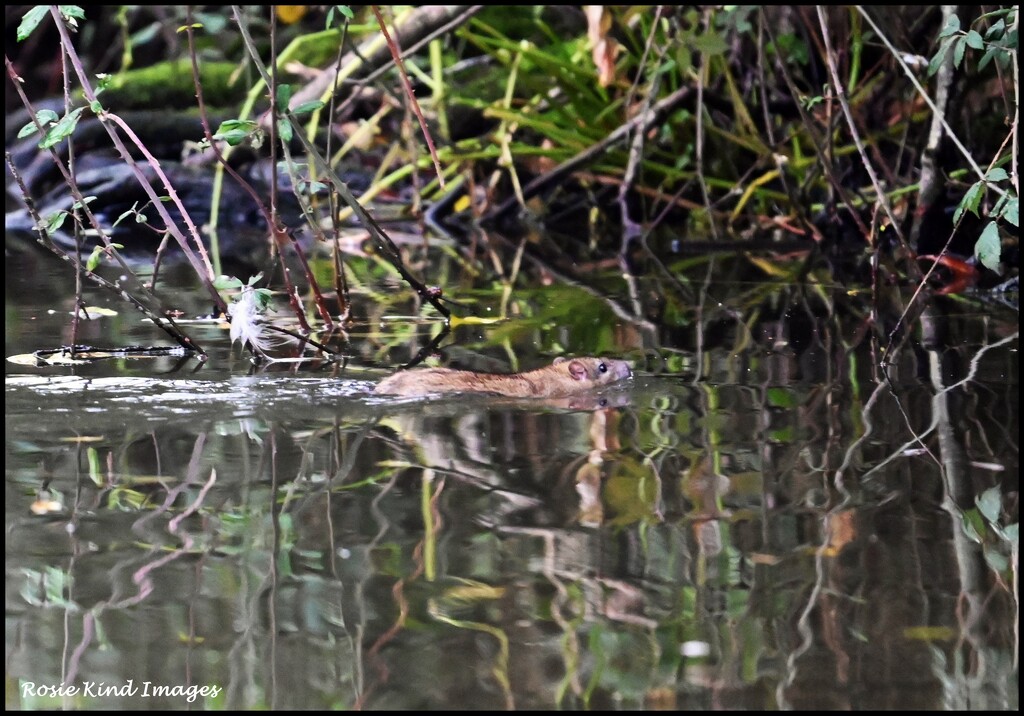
(142, 576)
(898, 452)
(430, 348)
(617, 309)
(384, 673)
(570, 641)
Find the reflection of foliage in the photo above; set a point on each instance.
(631, 494)
(48, 588)
(466, 595)
(986, 526)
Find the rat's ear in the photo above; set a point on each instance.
(559, 359)
(577, 370)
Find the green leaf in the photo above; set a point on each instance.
(130, 212)
(973, 527)
(974, 40)
(213, 23)
(236, 131)
(970, 201)
(26, 130)
(987, 57)
(30, 21)
(55, 221)
(71, 14)
(988, 250)
(344, 10)
(1010, 212)
(72, 11)
(936, 61)
(227, 283)
(996, 30)
(997, 174)
(62, 130)
(284, 130)
(263, 298)
(308, 107)
(684, 59)
(284, 96)
(990, 502)
(781, 398)
(951, 27)
(1012, 532)
(94, 258)
(959, 47)
(996, 561)
(45, 117)
(85, 201)
(710, 43)
(313, 187)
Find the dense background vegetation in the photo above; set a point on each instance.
(873, 135)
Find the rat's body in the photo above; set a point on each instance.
(562, 378)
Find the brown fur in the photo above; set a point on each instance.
(562, 378)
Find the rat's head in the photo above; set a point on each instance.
(598, 371)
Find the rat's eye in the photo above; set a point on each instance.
(602, 368)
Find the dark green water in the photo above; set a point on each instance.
(758, 520)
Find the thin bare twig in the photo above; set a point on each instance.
(396, 55)
(202, 268)
(928, 100)
(162, 321)
(383, 240)
(837, 82)
(819, 145)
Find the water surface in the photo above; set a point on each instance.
(762, 518)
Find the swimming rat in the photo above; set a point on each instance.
(564, 377)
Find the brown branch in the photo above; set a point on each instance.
(203, 272)
(396, 54)
(383, 240)
(419, 27)
(837, 82)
